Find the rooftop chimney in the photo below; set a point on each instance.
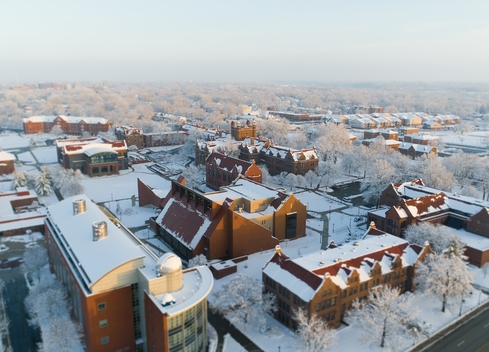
(79, 206)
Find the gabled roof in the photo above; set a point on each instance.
(228, 163)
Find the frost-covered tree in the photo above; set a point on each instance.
(485, 269)
(434, 174)
(61, 334)
(57, 130)
(328, 171)
(35, 258)
(20, 179)
(48, 309)
(463, 166)
(290, 181)
(381, 176)
(385, 314)
(243, 300)
(312, 179)
(194, 175)
(198, 260)
(438, 236)
(445, 276)
(32, 144)
(313, 332)
(333, 142)
(43, 184)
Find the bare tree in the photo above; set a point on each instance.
(313, 332)
(385, 314)
(35, 258)
(446, 277)
(243, 300)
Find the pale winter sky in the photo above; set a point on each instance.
(252, 40)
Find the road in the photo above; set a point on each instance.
(23, 337)
(470, 337)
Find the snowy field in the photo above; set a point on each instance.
(26, 157)
(46, 155)
(10, 140)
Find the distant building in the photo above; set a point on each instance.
(69, 125)
(6, 163)
(326, 283)
(296, 117)
(20, 211)
(240, 219)
(124, 296)
(368, 109)
(136, 136)
(222, 170)
(240, 133)
(92, 156)
(416, 150)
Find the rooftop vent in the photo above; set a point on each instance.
(99, 230)
(79, 206)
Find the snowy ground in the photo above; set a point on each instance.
(46, 155)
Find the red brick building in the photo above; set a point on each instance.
(136, 136)
(411, 202)
(222, 170)
(416, 150)
(238, 220)
(326, 283)
(20, 211)
(70, 125)
(92, 156)
(124, 296)
(6, 163)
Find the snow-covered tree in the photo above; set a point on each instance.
(434, 174)
(445, 276)
(20, 179)
(381, 176)
(198, 260)
(57, 130)
(312, 179)
(290, 181)
(328, 171)
(61, 334)
(438, 236)
(485, 269)
(43, 184)
(243, 300)
(463, 166)
(194, 175)
(32, 144)
(313, 332)
(34, 259)
(334, 141)
(385, 314)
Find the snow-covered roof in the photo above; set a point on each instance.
(69, 119)
(197, 284)
(4, 156)
(94, 148)
(304, 276)
(7, 212)
(95, 259)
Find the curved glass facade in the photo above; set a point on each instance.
(187, 331)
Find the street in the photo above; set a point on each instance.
(470, 337)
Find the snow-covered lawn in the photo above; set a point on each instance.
(10, 140)
(316, 202)
(26, 157)
(46, 155)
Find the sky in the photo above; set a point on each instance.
(251, 41)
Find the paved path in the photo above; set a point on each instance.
(223, 327)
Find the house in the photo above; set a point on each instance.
(124, 296)
(403, 131)
(240, 219)
(409, 119)
(416, 150)
(418, 138)
(222, 170)
(20, 212)
(69, 125)
(327, 282)
(386, 134)
(92, 156)
(280, 159)
(362, 122)
(391, 143)
(6, 163)
(297, 117)
(132, 136)
(409, 203)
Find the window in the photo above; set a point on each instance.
(102, 323)
(101, 306)
(104, 340)
(291, 225)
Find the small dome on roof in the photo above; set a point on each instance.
(168, 263)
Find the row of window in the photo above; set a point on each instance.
(284, 305)
(325, 304)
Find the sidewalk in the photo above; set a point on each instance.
(223, 327)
